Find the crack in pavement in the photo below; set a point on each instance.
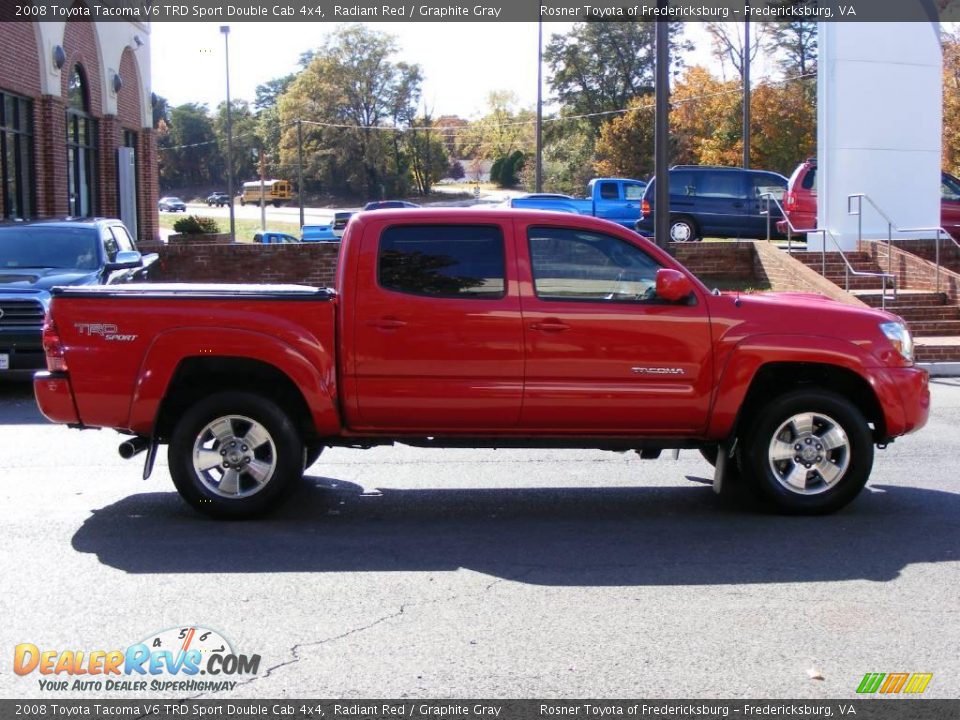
(297, 649)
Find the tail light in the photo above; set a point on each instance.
(789, 200)
(53, 347)
(645, 208)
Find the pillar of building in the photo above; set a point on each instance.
(878, 127)
(51, 151)
(109, 142)
(148, 221)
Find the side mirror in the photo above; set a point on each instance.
(673, 285)
(125, 260)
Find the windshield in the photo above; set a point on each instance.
(49, 247)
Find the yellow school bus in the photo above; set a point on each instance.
(275, 192)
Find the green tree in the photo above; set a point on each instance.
(350, 89)
(246, 142)
(598, 67)
(190, 155)
(428, 156)
(793, 43)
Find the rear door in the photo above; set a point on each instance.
(619, 201)
(760, 184)
(604, 355)
(437, 334)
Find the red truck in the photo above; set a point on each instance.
(483, 328)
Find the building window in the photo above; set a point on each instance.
(16, 156)
(81, 148)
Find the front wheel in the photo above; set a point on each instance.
(235, 455)
(807, 452)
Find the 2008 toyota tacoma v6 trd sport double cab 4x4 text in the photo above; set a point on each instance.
(484, 328)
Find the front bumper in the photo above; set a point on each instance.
(24, 350)
(904, 395)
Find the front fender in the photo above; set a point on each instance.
(752, 353)
(311, 369)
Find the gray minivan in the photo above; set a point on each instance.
(707, 201)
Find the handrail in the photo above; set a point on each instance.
(848, 268)
(893, 227)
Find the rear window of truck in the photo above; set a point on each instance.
(451, 261)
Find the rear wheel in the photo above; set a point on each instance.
(235, 455)
(807, 452)
(683, 229)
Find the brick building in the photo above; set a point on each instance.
(76, 133)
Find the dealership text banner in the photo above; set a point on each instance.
(322, 11)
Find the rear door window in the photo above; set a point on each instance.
(609, 191)
(443, 261)
(763, 183)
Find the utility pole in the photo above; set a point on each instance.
(225, 29)
(661, 221)
(300, 167)
(263, 192)
(745, 64)
(539, 182)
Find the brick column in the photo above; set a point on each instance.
(148, 222)
(109, 141)
(50, 144)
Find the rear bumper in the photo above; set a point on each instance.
(904, 395)
(55, 397)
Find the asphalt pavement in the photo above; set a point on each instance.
(401, 572)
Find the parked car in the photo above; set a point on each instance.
(389, 205)
(218, 198)
(707, 201)
(615, 199)
(484, 328)
(800, 200)
(34, 257)
(171, 204)
(272, 237)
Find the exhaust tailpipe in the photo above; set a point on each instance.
(133, 446)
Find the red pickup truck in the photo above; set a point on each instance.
(483, 328)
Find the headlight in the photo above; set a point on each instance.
(900, 338)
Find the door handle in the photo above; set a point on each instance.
(387, 323)
(550, 326)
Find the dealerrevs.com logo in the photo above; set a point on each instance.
(181, 659)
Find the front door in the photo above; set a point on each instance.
(437, 329)
(604, 354)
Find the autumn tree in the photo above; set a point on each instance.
(951, 101)
(625, 146)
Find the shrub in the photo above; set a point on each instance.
(456, 170)
(195, 225)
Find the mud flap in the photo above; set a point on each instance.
(151, 457)
(721, 469)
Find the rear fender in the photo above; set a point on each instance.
(312, 372)
(752, 353)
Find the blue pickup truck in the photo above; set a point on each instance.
(615, 199)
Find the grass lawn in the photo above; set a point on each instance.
(245, 228)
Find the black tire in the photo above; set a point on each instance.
(311, 453)
(278, 446)
(847, 464)
(710, 454)
(276, 203)
(242, 202)
(684, 229)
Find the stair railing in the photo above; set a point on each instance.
(849, 270)
(856, 208)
